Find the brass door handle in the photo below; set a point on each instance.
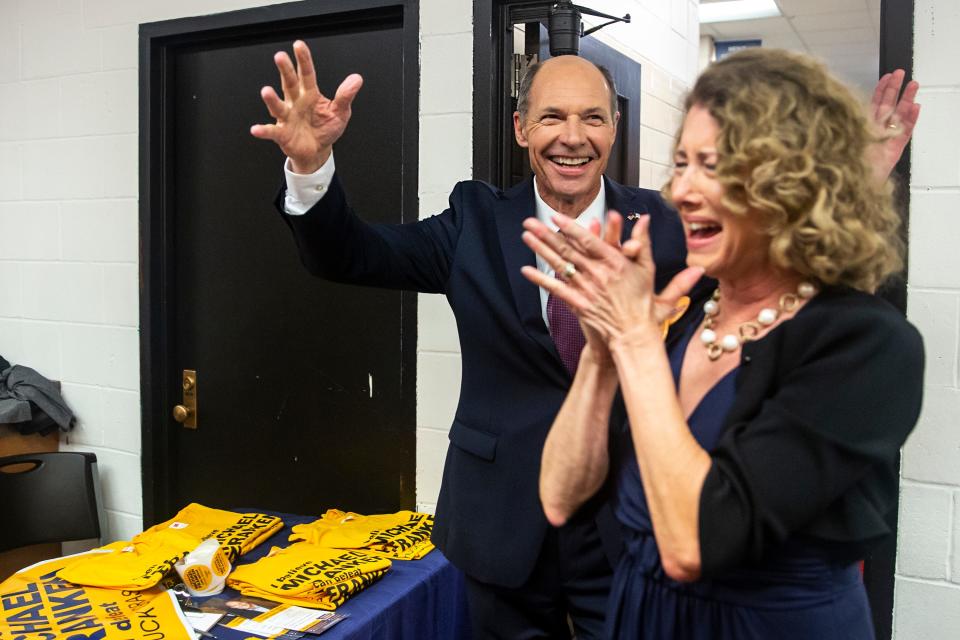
(186, 412)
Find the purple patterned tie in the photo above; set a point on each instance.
(566, 333)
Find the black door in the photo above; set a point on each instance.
(305, 389)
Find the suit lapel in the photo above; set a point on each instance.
(621, 200)
(513, 208)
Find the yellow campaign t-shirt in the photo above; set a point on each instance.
(142, 562)
(404, 535)
(37, 604)
(307, 575)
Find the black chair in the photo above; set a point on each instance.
(47, 497)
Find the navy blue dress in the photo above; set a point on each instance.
(797, 592)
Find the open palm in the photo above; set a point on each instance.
(307, 122)
(895, 115)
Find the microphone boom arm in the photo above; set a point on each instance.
(591, 12)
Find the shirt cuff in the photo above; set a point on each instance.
(304, 191)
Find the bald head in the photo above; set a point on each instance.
(567, 122)
(564, 64)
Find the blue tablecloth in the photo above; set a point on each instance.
(416, 600)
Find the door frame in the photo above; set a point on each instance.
(896, 52)
(158, 44)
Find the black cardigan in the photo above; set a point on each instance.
(823, 404)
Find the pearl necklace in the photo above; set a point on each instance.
(748, 331)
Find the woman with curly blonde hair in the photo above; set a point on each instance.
(758, 463)
(792, 148)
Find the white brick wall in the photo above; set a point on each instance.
(925, 611)
(664, 37)
(446, 157)
(924, 530)
(927, 597)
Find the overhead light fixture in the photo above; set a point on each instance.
(737, 10)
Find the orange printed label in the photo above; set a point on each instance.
(220, 565)
(197, 577)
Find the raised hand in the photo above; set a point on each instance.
(895, 118)
(308, 123)
(610, 290)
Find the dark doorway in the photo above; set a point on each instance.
(498, 158)
(896, 52)
(305, 389)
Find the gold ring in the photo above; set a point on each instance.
(569, 270)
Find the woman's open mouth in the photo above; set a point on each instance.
(704, 230)
(702, 233)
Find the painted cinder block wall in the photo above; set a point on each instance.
(927, 595)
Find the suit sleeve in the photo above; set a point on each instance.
(335, 244)
(839, 412)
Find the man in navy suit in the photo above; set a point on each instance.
(525, 579)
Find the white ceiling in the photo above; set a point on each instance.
(843, 33)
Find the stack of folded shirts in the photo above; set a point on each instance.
(404, 535)
(308, 575)
(142, 562)
(37, 604)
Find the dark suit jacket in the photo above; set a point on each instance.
(809, 448)
(489, 520)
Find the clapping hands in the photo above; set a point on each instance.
(609, 288)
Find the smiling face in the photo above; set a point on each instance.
(568, 131)
(727, 246)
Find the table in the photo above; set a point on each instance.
(416, 600)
